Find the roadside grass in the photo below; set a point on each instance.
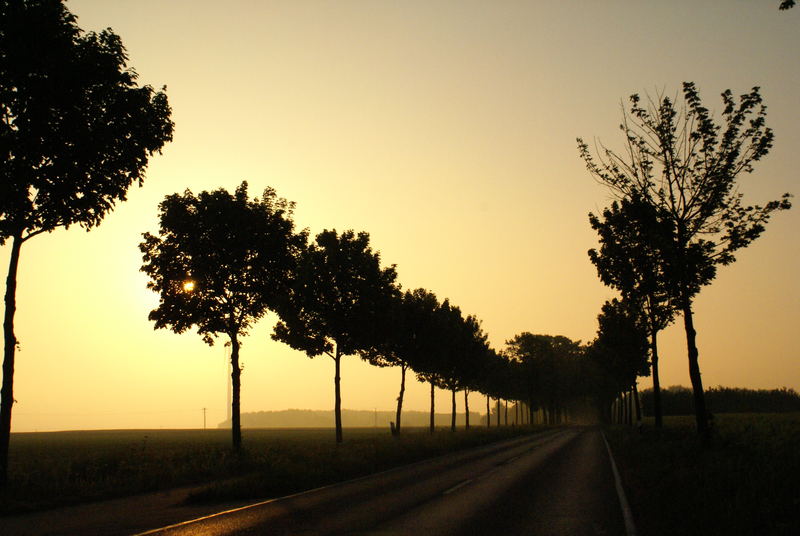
(49, 469)
(745, 482)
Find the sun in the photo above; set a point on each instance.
(188, 286)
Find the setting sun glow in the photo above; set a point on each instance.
(188, 286)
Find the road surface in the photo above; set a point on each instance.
(558, 482)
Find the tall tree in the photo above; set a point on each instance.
(629, 260)
(219, 263)
(75, 132)
(408, 337)
(681, 162)
(336, 302)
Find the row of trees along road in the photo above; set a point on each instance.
(75, 132)
(220, 261)
(679, 214)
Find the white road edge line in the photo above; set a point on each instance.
(630, 528)
(457, 486)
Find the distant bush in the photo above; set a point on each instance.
(677, 400)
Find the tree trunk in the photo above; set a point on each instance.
(7, 391)
(498, 412)
(466, 409)
(516, 413)
(433, 423)
(637, 406)
(236, 373)
(453, 414)
(403, 369)
(337, 403)
(488, 412)
(700, 411)
(506, 412)
(657, 411)
(530, 412)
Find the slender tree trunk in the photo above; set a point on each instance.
(516, 413)
(236, 383)
(453, 414)
(637, 406)
(10, 346)
(403, 369)
(700, 411)
(657, 411)
(498, 412)
(488, 412)
(630, 407)
(506, 411)
(530, 412)
(433, 408)
(466, 409)
(337, 403)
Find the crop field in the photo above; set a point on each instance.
(55, 468)
(744, 482)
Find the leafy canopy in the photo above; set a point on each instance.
(338, 296)
(220, 261)
(75, 129)
(678, 160)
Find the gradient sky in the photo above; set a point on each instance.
(446, 129)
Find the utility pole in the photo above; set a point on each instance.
(204, 418)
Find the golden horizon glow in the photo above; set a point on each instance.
(444, 129)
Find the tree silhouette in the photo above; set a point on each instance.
(76, 132)
(629, 260)
(681, 162)
(219, 263)
(547, 362)
(622, 343)
(336, 302)
(408, 336)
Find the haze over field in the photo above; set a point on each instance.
(444, 129)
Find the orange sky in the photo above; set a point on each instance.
(447, 131)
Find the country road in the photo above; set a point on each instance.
(559, 482)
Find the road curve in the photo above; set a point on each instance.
(558, 482)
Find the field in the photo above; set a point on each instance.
(49, 469)
(747, 481)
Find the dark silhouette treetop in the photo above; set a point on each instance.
(681, 162)
(220, 260)
(339, 295)
(76, 130)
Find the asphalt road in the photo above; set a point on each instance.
(559, 482)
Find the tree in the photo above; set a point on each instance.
(219, 263)
(786, 4)
(76, 132)
(679, 161)
(408, 336)
(547, 366)
(336, 302)
(629, 261)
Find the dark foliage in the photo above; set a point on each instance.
(677, 400)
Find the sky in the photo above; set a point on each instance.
(445, 129)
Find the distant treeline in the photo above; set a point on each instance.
(307, 418)
(677, 400)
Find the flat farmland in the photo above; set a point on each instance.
(744, 482)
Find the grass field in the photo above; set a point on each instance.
(55, 468)
(746, 482)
